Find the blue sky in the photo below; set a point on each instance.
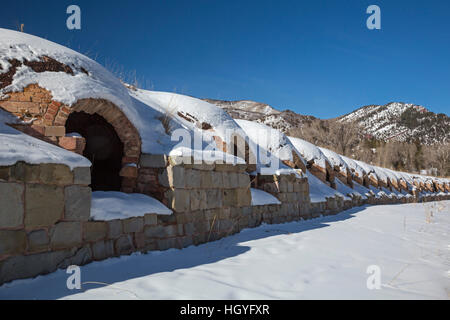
(313, 57)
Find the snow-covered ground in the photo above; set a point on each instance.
(117, 205)
(324, 258)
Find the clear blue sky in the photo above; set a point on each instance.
(313, 57)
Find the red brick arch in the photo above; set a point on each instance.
(126, 131)
(48, 118)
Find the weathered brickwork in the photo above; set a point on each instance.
(48, 118)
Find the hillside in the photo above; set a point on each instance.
(396, 121)
(401, 122)
(398, 135)
(263, 113)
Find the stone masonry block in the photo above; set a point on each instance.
(153, 160)
(133, 225)
(65, 235)
(82, 176)
(115, 229)
(56, 174)
(94, 231)
(38, 240)
(77, 203)
(44, 205)
(11, 205)
(12, 242)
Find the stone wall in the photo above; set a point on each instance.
(45, 212)
(42, 208)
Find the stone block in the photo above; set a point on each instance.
(193, 179)
(151, 219)
(234, 181)
(165, 244)
(77, 203)
(38, 240)
(178, 199)
(244, 198)
(65, 235)
(206, 179)
(243, 180)
(133, 225)
(94, 231)
(55, 174)
(173, 177)
(12, 242)
(103, 249)
(82, 176)
(124, 245)
(11, 205)
(153, 160)
(44, 205)
(115, 229)
(230, 198)
(24, 172)
(21, 267)
(213, 198)
(5, 173)
(155, 231)
(79, 257)
(217, 179)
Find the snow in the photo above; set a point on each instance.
(309, 151)
(65, 88)
(113, 205)
(267, 139)
(319, 191)
(323, 258)
(261, 198)
(365, 192)
(209, 156)
(197, 110)
(16, 146)
(144, 109)
(346, 190)
(354, 167)
(335, 159)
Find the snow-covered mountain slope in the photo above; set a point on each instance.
(262, 113)
(401, 122)
(245, 109)
(395, 121)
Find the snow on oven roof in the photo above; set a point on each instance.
(319, 191)
(88, 79)
(334, 158)
(268, 139)
(309, 151)
(16, 146)
(192, 112)
(370, 170)
(354, 166)
(381, 174)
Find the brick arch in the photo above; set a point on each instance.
(126, 131)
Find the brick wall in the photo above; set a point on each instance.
(48, 119)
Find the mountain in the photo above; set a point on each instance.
(263, 113)
(401, 122)
(396, 121)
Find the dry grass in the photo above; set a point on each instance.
(166, 119)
